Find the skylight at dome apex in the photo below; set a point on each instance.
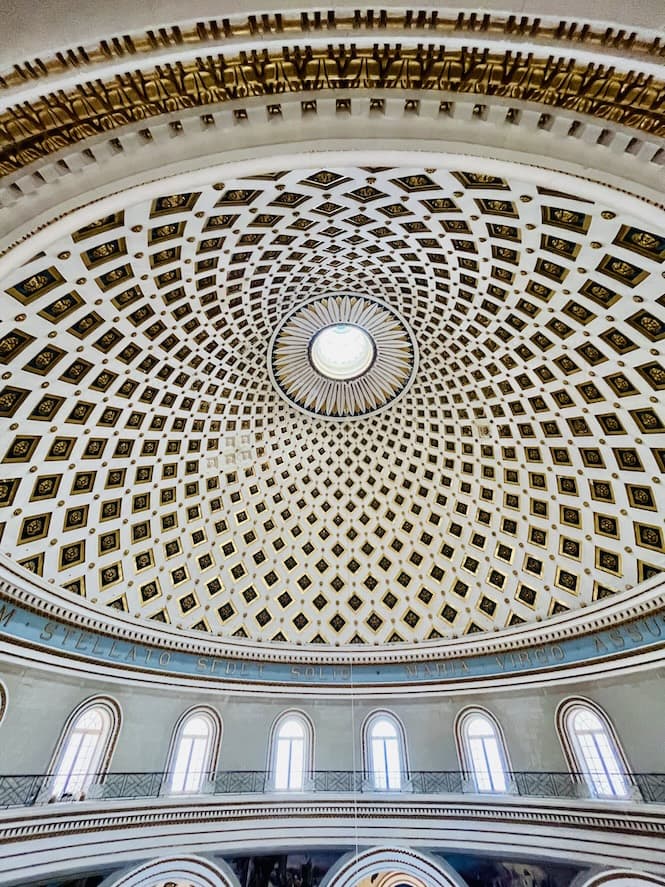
(154, 461)
(342, 351)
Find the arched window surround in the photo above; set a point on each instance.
(3, 701)
(417, 865)
(102, 756)
(211, 758)
(574, 757)
(367, 754)
(193, 870)
(308, 749)
(616, 877)
(464, 753)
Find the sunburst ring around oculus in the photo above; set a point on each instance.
(342, 356)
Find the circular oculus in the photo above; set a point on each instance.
(342, 356)
(342, 351)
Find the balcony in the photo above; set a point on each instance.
(118, 818)
(35, 790)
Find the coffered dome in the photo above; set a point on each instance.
(153, 460)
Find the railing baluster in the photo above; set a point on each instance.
(30, 789)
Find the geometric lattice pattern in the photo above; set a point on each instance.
(148, 464)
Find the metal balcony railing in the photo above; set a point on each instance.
(29, 790)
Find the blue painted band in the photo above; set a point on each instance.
(25, 626)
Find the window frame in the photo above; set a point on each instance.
(101, 756)
(308, 750)
(574, 754)
(211, 756)
(466, 756)
(369, 772)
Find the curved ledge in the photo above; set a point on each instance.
(583, 832)
(37, 619)
(96, 179)
(595, 36)
(70, 108)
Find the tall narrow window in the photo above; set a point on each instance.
(483, 754)
(385, 758)
(194, 750)
(595, 750)
(84, 748)
(290, 756)
(291, 752)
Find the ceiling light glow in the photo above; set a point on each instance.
(342, 351)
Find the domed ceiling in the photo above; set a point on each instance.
(150, 462)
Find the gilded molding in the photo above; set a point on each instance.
(33, 130)
(567, 33)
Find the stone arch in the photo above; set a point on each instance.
(3, 701)
(194, 871)
(617, 878)
(417, 868)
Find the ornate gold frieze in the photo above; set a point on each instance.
(567, 33)
(33, 130)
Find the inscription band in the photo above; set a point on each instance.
(26, 626)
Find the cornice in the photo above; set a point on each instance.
(593, 36)
(97, 177)
(60, 820)
(582, 830)
(55, 104)
(430, 662)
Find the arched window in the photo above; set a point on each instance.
(385, 751)
(194, 750)
(85, 748)
(482, 751)
(592, 748)
(291, 752)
